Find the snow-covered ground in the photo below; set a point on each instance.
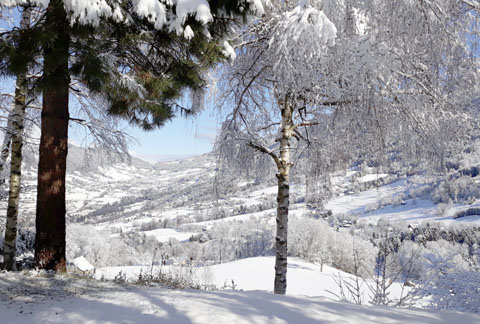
(412, 210)
(28, 299)
(122, 197)
(164, 234)
(175, 200)
(303, 278)
(252, 274)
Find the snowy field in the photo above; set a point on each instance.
(253, 274)
(410, 210)
(28, 299)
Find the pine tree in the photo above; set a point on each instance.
(139, 61)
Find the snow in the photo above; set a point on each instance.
(228, 51)
(304, 32)
(12, 3)
(410, 209)
(303, 278)
(253, 274)
(88, 12)
(163, 235)
(200, 9)
(46, 299)
(153, 10)
(159, 13)
(188, 32)
(413, 210)
(372, 177)
(82, 264)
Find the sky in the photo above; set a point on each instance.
(179, 138)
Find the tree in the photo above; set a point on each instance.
(16, 133)
(284, 36)
(447, 278)
(362, 76)
(140, 58)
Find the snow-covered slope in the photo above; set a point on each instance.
(115, 193)
(252, 274)
(155, 208)
(43, 300)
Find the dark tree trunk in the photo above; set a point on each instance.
(50, 217)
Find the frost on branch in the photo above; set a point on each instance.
(298, 43)
(228, 51)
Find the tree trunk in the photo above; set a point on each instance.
(16, 118)
(5, 150)
(6, 144)
(283, 200)
(50, 216)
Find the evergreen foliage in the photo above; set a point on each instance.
(139, 65)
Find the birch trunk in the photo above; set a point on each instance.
(283, 200)
(16, 116)
(50, 213)
(5, 148)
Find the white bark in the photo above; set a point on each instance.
(5, 148)
(283, 199)
(16, 162)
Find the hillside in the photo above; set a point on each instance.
(127, 216)
(253, 274)
(31, 298)
(124, 192)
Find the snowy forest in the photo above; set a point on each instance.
(343, 185)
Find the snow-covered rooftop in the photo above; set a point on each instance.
(82, 264)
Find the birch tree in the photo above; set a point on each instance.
(282, 39)
(5, 148)
(17, 125)
(354, 70)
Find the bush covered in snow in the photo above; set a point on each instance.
(97, 247)
(24, 248)
(314, 240)
(458, 190)
(449, 283)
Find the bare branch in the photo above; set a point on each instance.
(265, 150)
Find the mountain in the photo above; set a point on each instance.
(125, 192)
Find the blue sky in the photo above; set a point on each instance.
(179, 138)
